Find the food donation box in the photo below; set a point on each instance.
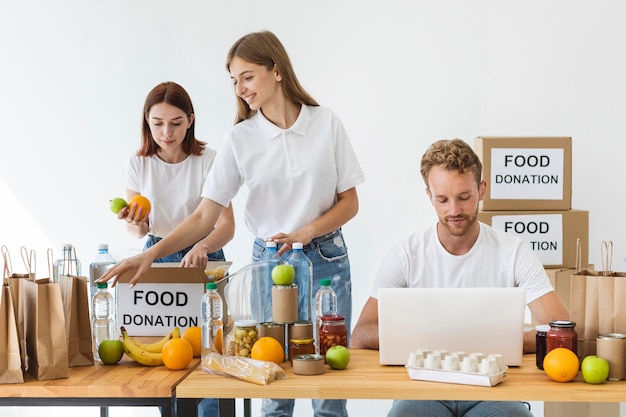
(526, 173)
(167, 296)
(552, 235)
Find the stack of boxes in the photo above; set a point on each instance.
(529, 194)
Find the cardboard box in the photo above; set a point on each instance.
(165, 297)
(551, 234)
(526, 173)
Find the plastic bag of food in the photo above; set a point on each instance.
(246, 369)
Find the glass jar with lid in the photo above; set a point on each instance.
(300, 347)
(243, 337)
(562, 333)
(332, 332)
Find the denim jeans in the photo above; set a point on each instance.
(209, 406)
(406, 408)
(178, 256)
(329, 256)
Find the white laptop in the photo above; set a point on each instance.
(487, 320)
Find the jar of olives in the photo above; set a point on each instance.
(332, 332)
(244, 335)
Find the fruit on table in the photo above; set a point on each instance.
(117, 204)
(138, 354)
(561, 364)
(283, 274)
(595, 370)
(157, 346)
(338, 357)
(177, 354)
(111, 351)
(142, 203)
(268, 349)
(193, 335)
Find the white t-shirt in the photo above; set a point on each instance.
(497, 259)
(293, 175)
(174, 190)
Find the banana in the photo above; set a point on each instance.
(138, 354)
(157, 347)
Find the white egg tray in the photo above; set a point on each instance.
(456, 367)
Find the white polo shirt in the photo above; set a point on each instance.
(293, 175)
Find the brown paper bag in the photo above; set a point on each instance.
(10, 360)
(597, 301)
(15, 281)
(44, 327)
(75, 295)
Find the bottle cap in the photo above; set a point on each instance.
(103, 285)
(325, 282)
(270, 244)
(210, 286)
(296, 245)
(103, 246)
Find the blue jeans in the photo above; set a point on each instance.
(407, 408)
(329, 256)
(178, 256)
(209, 407)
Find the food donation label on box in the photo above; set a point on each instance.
(154, 309)
(544, 233)
(526, 173)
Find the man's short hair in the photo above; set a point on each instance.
(452, 155)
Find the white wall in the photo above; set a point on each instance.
(400, 74)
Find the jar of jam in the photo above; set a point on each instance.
(301, 347)
(541, 338)
(562, 333)
(332, 332)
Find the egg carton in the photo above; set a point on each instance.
(456, 367)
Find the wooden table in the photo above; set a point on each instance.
(366, 379)
(124, 384)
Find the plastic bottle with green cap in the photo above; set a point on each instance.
(212, 324)
(325, 304)
(102, 317)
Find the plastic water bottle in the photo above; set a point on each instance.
(103, 261)
(212, 324)
(325, 304)
(102, 318)
(304, 279)
(68, 264)
(262, 287)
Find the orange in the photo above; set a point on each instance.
(561, 364)
(142, 202)
(194, 336)
(268, 349)
(218, 341)
(177, 353)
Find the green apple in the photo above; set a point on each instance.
(117, 204)
(595, 370)
(283, 274)
(338, 357)
(111, 351)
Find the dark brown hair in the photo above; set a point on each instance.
(264, 48)
(171, 93)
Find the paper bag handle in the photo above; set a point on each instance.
(50, 263)
(579, 255)
(606, 257)
(30, 261)
(70, 263)
(8, 267)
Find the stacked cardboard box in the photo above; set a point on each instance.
(529, 194)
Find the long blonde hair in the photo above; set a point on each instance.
(264, 48)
